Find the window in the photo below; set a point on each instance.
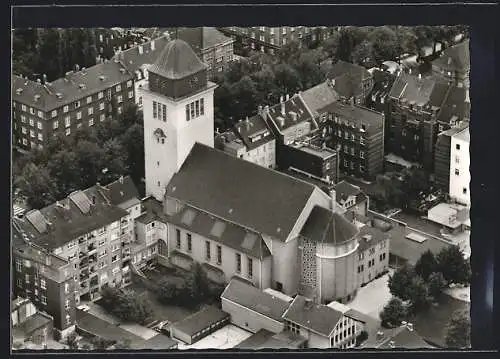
(32, 110)
(54, 113)
(238, 263)
(91, 122)
(155, 111)
(32, 133)
(32, 122)
(464, 190)
(102, 117)
(19, 266)
(178, 239)
(67, 121)
(129, 83)
(219, 254)
(90, 110)
(130, 94)
(292, 327)
(120, 99)
(65, 108)
(24, 130)
(39, 125)
(79, 115)
(189, 242)
(100, 95)
(207, 250)
(457, 159)
(140, 101)
(250, 267)
(101, 106)
(457, 146)
(119, 110)
(23, 119)
(457, 172)
(118, 88)
(43, 284)
(44, 300)
(66, 288)
(115, 258)
(283, 41)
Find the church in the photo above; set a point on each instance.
(236, 218)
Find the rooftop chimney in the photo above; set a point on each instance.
(121, 179)
(332, 82)
(283, 112)
(287, 97)
(308, 304)
(77, 67)
(449, 60)
(141, 50)
(294, 116)
(420, 76)
(333, 200)
(410, 327)
(153, 45)
(48, 261)
(467, 98)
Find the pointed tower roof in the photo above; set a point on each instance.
(177, 61)
(325, 226)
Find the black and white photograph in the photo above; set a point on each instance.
(244, 188)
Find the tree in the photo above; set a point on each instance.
(454, 267)
(393, 313)
(37, 185)
(458, 331)
(63, 168)
(361, 337)
(133, 143)
(384, 44)
(245, 97)
(72, 341)
(400, 282)
(133, 308)
(436, 284)
(287, 80)
(426, 264)
(122, 344)
(197, 283)
(418, 293)
(363, 54)
(100, 343)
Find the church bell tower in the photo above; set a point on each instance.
(178, 108)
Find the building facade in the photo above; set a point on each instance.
(459, 167)
(352, 82)
(212, 47)
(373, 254)
(84, 97)
(358, 135)
(28, 324)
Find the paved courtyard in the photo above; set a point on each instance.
(373, 297)
(224, 338)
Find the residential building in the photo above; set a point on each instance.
(459, 167)
(178, 111)
(213, 47)
(442, 156)
(44, 278)
(373, 254)
(421, 108)
(270, 39)
(351, 198)
(453, 217)
(323, 326)
(318, 97)
(358, 135)
(320, 162)
(250, 140)
(402, 337)
(150, 230)
(352, 82)
(138, 59)
(83, 97)
(29, 324)
(290, 120)
(453, 65)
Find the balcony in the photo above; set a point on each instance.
(91, 248)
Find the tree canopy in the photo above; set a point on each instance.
(454, 267)
(458, 331)
(393, 313)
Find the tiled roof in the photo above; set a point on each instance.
(121, 191)
(76, 85)
(241, 192)
(319, 96)
(294, 106)
(315, 317)
(404, 338)
(344, 189)
(455, 107)
(455, 58)
(412, 88)
(254, 299)
(32, 323)
(132, 59)
(177, 61)
(370, 237)
(373, 121)
(324, 226)
(202, 38)
(463, 135)
(342, 67)
(348, 78)
(66, 220)
(251, 129)
(200, 320)
(221, 231)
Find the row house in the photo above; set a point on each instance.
(250, 140)
(358, 135)
(270, 39)
(83, 97)
(212, 47)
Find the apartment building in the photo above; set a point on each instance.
(137, 59)
(270, 39)
(352, 82)
(358, 134)
(83, 97)
(351, 198)
(373, 254)
(213, 47)
(250, 140)
(459, 167)
(453, 66)
(44, 278)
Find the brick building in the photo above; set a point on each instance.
(83, 97)
(213, 47)
(270, 39)
(358, 134)
(251, 140)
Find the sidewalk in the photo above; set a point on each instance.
(372, 298)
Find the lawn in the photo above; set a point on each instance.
(431, 323)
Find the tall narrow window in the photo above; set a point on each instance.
(202, 106)
(187, 112)
(192, 113)
(197, 104)
(159, 111)
(219, 254)
(250, 268)
(164, 113)
(207, 249)
(155, 114)
(238, 263)
(189, 242)
(178, 238)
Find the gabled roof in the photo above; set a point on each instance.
(370, 237)
(404, 338)
(132, 59)
(265, 339)
(319, 96)
(177, 61)
(253, 132)
(223, 232)
(455, 106)
(122, 190)
(348, 78)
(294, 105)
(455, 58)
(344, 189)
(254, 299)
(342, 67)
(241, 192)
(200, 320)
(412, 88)
(76, 85)
(325, 226)
(315, 317)
(202, 38)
